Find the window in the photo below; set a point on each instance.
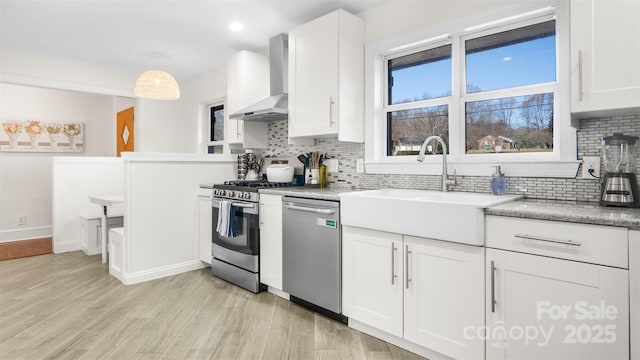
(215, 135)
(520, 60)
(493, 92)
(418, 99)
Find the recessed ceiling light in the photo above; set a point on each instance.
(236, 26)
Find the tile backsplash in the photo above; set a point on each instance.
(575, 189)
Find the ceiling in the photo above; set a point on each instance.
(184, 38)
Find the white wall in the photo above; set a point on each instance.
(26, 178)
(74, 180)
(160, 211)
(206, 88)
(399, 18)
(30, 86)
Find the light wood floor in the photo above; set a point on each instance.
(66, 306)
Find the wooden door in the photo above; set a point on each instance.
(124, 131)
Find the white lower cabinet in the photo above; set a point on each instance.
(205, 228)
(634, 292)
(556, 290)
(543, 308)
(444, 296)
(424, 291)
(372, 278)
(271, 240)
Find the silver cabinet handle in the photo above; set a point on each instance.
(493, 286)
(580, 88)
(308, 209)
(536, 238)
(332, 102)
(406, 263)
(393, 263)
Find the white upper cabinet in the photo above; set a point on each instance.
(605, 55)
(247, 83)
(326, 78)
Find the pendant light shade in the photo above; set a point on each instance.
(157, 84)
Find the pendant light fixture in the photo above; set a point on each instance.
(157, 84)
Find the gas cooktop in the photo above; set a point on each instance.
(245, 189)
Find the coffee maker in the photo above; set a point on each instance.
(619, 186)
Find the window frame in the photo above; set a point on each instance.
(561, 162)
(206, 119)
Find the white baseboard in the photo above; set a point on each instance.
(35, 232)
(402, 343)
(279, 293)
(142, 276)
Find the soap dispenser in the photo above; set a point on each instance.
(498, 182)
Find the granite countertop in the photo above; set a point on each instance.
(569, 211)
(329, 193)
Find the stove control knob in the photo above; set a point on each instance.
(231, 193)
(222, 193)
(246, 195)
(216, 192)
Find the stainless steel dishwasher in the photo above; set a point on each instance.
(311, 252)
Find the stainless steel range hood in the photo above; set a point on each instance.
(276, 106)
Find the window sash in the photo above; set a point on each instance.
(457, 101)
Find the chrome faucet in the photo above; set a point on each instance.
(445, 177)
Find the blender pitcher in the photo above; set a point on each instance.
(619, 187)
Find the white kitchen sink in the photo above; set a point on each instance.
(448, 216)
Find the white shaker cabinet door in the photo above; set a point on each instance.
(326, 78)
(605, 55)
(444, 296)
(313, 61)
(546, 308)
(372, 278)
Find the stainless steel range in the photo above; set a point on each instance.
(237, 258)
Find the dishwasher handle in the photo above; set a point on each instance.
(291, 206)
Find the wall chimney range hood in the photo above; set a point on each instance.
(276, 106)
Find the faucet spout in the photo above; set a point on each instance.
(445, 181)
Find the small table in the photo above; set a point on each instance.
(105, 202)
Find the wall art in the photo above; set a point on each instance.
(40, 136)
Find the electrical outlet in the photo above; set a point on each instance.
(591, 167)
(22, 220)
(360, 165)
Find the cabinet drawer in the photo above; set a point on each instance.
(604, 245)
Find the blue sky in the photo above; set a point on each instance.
(520, 64)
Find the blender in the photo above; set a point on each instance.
(619, 187)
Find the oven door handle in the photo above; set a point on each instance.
(243, 205)
(216, 204)
(291, 206)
